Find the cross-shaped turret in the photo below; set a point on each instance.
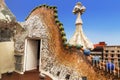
(79, 10)
(79, 38)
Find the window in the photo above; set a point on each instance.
(112, 55)
(67, 77)
(113, 51)
(118, 60)
(106, 51)
(106, 59)
(112, 60)
(84, 78)
(58, 73)
(118, 55)
(106, 55)
(118, 51)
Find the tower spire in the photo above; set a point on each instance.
(79, 38)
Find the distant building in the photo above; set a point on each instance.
(107, 53)
(99, 45)
(112, 53)
(98, 49)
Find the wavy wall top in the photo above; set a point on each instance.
(65, 54)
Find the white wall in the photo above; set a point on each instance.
(7, 57)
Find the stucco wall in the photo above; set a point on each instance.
(6, 57)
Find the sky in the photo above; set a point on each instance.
(101, 20)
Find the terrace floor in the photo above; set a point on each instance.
(31, 75)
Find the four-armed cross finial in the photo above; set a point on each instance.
(79, 9)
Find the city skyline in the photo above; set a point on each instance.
(100, 20)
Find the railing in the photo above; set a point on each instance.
(108, 67)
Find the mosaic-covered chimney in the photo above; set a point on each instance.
(79, 37)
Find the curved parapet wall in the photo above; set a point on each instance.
(58, 59)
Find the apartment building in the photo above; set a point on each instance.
(112, 53)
